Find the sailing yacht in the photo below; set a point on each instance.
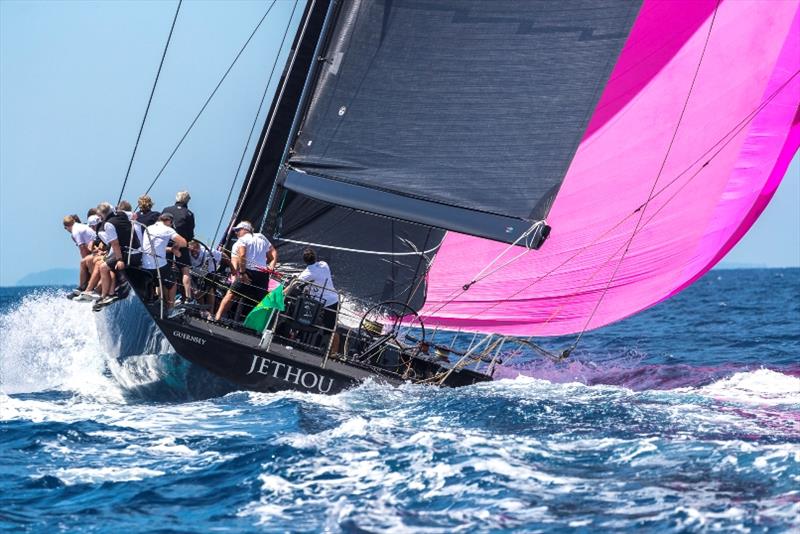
(502, 170)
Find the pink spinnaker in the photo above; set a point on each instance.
(680, 158)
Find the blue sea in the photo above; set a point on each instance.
(684, 418)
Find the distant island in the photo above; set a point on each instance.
(50, 277)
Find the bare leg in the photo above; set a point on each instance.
(224, 305)
(94, 280)
(106, 280)
(187, 283)
(171, 295)
(85, 271)
(87, 267)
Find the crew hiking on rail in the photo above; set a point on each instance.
(182, 272)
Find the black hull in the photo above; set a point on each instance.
(243, 363)
(235, 355)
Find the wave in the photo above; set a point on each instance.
(630, 370)
(50, 343)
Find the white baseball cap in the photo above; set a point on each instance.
(244, 225)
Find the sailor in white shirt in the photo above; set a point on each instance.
(83, 237)
(203, 260)
(253, 255)
(154, 250)
(205, 264)
(320, 287)
(319, 274)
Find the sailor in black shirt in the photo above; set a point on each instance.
(183, 223)
(146, 216)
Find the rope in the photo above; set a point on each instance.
(255, 121)
(208, 100)
(149, 101)
(360, 251)
(480, 276)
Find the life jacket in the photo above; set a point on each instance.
(124, 230)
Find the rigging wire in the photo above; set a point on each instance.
(359, 251)
(149, 101)
(211, 96)
(255, 121)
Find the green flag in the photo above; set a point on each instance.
(261, 314)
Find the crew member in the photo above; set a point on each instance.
(183, 223)
(319, 285)
(146, 215)
(205, 266)
(83, 236)
(252, 255)
(154, 253)
(125, 246)
(125, 207)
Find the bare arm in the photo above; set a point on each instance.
(272, 257)
(84, 250)
(239, 260)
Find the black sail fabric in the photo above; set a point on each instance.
(471, 104)
(372, 258)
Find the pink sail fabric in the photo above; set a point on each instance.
(689, 141)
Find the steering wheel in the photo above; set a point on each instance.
(390, 321)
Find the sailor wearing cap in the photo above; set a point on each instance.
(154, 248)
(252, 256)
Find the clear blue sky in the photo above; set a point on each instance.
(74, 81)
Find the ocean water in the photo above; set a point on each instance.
(685, 418)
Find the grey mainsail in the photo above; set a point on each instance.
(461, 114)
